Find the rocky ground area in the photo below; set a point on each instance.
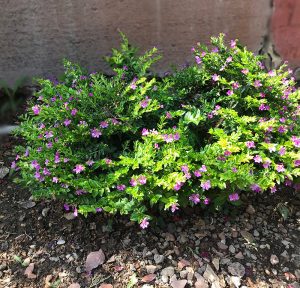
(42, 246)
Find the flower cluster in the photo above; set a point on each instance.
(203, 135)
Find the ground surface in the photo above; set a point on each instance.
(254, 247)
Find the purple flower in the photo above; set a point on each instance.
(168, 115)
(75, 212)
(266, 164)
(145, 132)
(89, 162)
(234, 169)
(282, 151)
(168, 138)
(198, 60)
(144, 223)
(36, 109)
(255, 187)
(272, 73)
(215, 50)
(234, 197)
(115, 121)
(297, 163)
(74, 112)
(281, 129)
(78, 168)
(227, 153)
(194, 198)
(206, 201)
(177, 186)
(235, 85)
(296, 141)
(49, 145)
(66, 160)
(39, 149)
(145, 102)
(108, 161)
(280, 168)
(229, 92)
(176, 136)
(13, 165)
(66, 207)
(273, 189)
(55, 180)
(257, 84)
(47, 161)
(103, 124)
(184, 168)
(203, 168)
(46, 172)
(133, 85)
(206, 185)
(142, 180)
(80, 192)
(232, 43)
(174, 207)
(215, 77)
(67, 122)
(197, 173)
(121, 187)
(125, 68)
(133, 182)
(245, 71)
(56, 158)
(99, 210)
(48, 134)
(229, 59)
(95, 133)
(257, 159)
(250, 144)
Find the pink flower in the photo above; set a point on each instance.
(133, 182)
(266, 164)
(176, 136)
(48, 134)
(273, 189)
(74, 112)
(78, 168)
(55, 180)
(229, 59)
(232, 43)
(121, 187)
(144, 223)
(257, 159)
(203, 168)
(250, 144)
(108, 161)
(156, 146)
(215, 50)
(272, 73)
(195, 198)
(296, 141)
(235, 85)
(234, 197)
(203, 54)
(95, 133)
(36, 109)
(282, 151)
(198, 60)
(206, 201)
(168, 115)
(177, 186)
(75, 212)
(145, 132)
(133, 85)
(174, 207)
(103, 124)
(99, 210)
(227, 153)
(197, 173)
(184, 168)
(145, 102)
(89, 162)
(206, 185)
(67, 122)
(297, 163)
(245, 71)
(229, 92)
(215, 77)
(255, 187)
(168, 138)
(143, 180)
(257, 83)
(280, 168)
(115, 121)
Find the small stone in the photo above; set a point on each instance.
(231, 249)
(169, 237)
(168, 271)
(248, 236)
(236, 269)
(210, 275)
(45, 211)
(285, 243)
(236, 281)
(78, 270)
(183, 274)
(239, 255)
(3, 266)
(3, 172)
(158, 258)
(255, 233)
(222, 246)
(297, 273)
(61, 242)
(216, 263)
(69, 216)
(178, 283)
(250, 210)
(274, 259)
(28, 204)
(183, 263)
(201, 283)
(151, 269)
(73, 285)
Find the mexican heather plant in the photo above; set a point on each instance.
(203, 135)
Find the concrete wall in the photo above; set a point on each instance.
(36, 34)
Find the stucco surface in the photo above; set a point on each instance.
(35, 35)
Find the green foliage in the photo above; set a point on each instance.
(123, 144)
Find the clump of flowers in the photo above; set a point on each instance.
(205, 134)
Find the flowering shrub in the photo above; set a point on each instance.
(201, 136)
